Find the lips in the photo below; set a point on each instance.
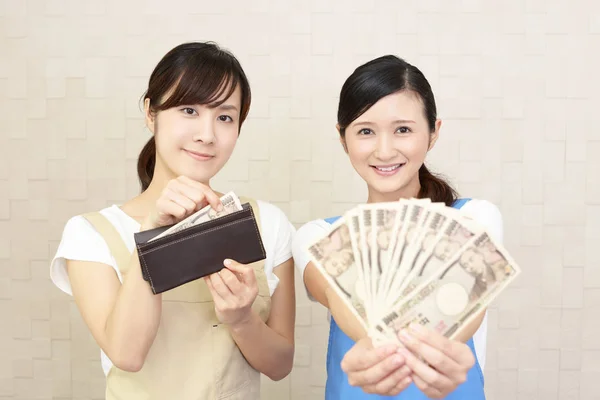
(387, 170)
(198, 155)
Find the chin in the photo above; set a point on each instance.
(194, 174)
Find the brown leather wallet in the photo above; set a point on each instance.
(199, 250)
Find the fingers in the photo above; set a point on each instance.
(424, 375)
(373, 375)
(231, 281)
(457, 351)
(244, 271)
(430, 391)
(216, 297)
(394, 383)
(433, 356)
(219, 286)
(402, 385)
(362, 355)
(183, 200)
(200, 193)
(170, 209)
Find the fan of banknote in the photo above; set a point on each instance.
(412, 261)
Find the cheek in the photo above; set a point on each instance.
(229, 138)
(359, 150)
(416, 147)
(171, 133)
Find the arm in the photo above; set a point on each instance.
(269, 347)
(123, 319)
(319, 288)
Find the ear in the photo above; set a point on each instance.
(433, 137)
(342, 139)
(149, 115)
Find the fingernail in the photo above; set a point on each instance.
(220, 207)
(397, 361)
(417, 328)
(227, 262)
(406, 336)
(403, 351)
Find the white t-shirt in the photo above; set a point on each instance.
(482, 211)
(80, 241)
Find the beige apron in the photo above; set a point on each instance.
(193, 356)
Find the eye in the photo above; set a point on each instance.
(365, 131)
(403, 129)
(188, 111)
(225, 118)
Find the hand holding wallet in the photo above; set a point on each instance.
(178, 258)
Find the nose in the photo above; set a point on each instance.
(385, 147)
(205, 129)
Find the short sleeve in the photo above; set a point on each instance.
(283, 239)
(80, 242)
(305, 236)
(488, 216)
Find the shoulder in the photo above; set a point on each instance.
(272, 218)
(81, 242)
(270, 211)
(313, 228)
(486, 214)
(305, 236)
(277, 233)
(79, 229)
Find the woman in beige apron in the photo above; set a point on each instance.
(210, 338)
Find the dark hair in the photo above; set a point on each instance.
(379, 78)
(191, 73)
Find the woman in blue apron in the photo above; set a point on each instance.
(387, 122)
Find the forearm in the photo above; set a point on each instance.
(266, 350)
(325, 294)
(344, 318)
(469, 330)
(132, 325)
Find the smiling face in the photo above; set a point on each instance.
(388, 143)
(196, 140)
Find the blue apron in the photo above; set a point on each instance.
(338, 388)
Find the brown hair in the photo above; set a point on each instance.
(379, 78)
(191, 73)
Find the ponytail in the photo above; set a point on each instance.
(146, 162)
(435, 188)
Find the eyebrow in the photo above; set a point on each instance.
(227, 107)
(398, 121)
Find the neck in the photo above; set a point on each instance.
(409, 191)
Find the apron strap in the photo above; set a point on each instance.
(112, 237)
(255, 209)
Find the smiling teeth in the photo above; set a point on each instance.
(388, 169)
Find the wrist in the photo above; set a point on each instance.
(245, 323)
(147, 225)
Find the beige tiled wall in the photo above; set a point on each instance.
(517, 86)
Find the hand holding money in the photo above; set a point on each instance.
(412, 261)
(438, 365)
(380, 370)
(181, 199)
